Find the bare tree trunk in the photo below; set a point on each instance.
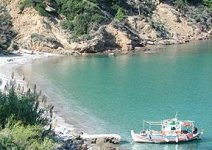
(139, 11)
(137, 2)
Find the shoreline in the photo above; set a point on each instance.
(147, 49)
(9, 65)
(65, 133)
(11, 62)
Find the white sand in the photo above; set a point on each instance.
(8, 63)
(7, 66)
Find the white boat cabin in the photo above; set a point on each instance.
(171, 126)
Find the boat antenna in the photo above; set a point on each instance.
(176, 115)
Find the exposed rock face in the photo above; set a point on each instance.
(121, 39)
(36, 32)
(103, 145)
(141, 25)
(168, 26)
(112, 36)
(39, 41)
(177, 26)
(96, 44)
(6, 32)
(167, 42)
(157, 24)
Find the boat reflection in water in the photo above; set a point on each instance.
(186, 146)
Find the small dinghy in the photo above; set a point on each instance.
(171, 131)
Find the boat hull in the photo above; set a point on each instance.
(159, 138)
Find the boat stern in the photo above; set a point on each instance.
(133, 135)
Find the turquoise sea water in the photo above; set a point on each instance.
(115, 94)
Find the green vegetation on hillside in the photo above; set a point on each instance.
(21, 137)
(208, 3)
(120, 15)
(21, 107)
(22, 121)
(82, 16)
(184, 3)
(198, 12)
(39, 5)
(85, 16)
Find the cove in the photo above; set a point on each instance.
(115, 94)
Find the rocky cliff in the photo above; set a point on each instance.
(163, 24)
(6, 31)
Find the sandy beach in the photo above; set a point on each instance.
(10, 62)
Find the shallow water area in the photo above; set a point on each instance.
(101, 94)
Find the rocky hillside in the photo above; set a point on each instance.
(6, 31)
(90, 26)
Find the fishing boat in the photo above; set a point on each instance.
(169, 131)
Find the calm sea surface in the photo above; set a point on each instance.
(115, 94)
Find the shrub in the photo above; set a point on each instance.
(25, 3)
(40, 7)
(22, 122)
(81, 24)
(68, 24)
(120, 15)
(181, 4)
(208, 3)
(81, 15)
(21, 137)
(22, 107)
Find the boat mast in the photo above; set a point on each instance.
(143, 124)
(176, 115)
